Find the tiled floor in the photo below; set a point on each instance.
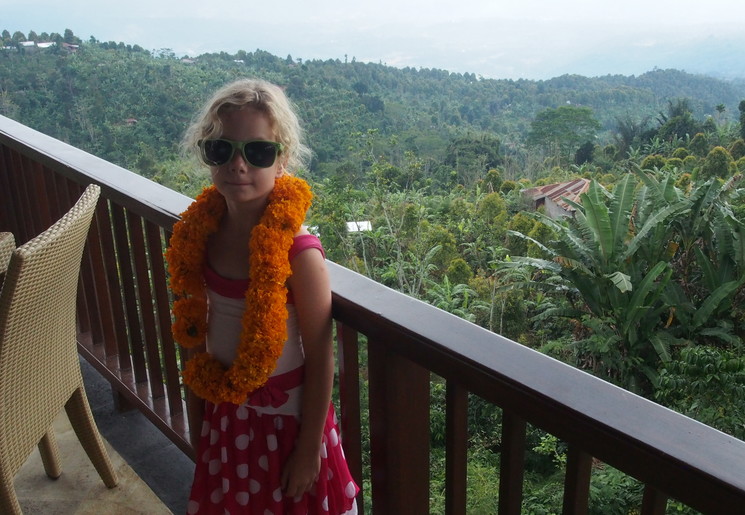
(154, 475)
(79, 490)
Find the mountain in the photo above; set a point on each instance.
(718, 57)
(131, 106)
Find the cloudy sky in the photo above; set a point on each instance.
(531, 39)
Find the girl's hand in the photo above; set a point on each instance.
(300, 472)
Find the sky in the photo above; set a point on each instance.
(500, 39)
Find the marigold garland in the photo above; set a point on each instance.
(265, 318)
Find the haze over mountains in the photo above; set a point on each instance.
(715, 57)
(530, 39)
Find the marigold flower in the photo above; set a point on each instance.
(264, 319)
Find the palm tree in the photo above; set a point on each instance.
(458, 299)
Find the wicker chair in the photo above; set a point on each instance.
(7, 246)
(39, 367)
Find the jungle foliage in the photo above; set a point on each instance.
(641, 283)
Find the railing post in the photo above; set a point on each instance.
(577, 481)
(456, 456)
(399, 432)
(654, 502)
(512, 465)
(349, 398)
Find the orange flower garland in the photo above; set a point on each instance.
(265, 318)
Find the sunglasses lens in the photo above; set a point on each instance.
(260, 154)
(216, 151)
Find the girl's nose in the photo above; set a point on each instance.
(238, 162)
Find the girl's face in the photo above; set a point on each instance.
(237, 180)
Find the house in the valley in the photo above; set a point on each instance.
(551, 197)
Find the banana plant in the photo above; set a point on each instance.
(709, 263)
(655, 267)
(615, 255)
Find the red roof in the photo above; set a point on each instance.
(571, 190)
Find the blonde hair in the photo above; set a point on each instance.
(267, 98)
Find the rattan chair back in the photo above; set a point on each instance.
(39, 367)
(7, 245)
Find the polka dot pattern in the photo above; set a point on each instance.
(242, 498)
(241, 456)
(241, 443)
(271, 442)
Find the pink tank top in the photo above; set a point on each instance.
(236, 288)
(226, 307)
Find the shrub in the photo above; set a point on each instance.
(652, 162)
(737, 150)
(718, 163)
(695, 383)
(699, 145)
(680, 153)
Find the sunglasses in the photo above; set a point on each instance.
(261, 154)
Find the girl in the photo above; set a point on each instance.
(253, 291)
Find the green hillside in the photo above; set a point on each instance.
(641, 284)
(130, 107)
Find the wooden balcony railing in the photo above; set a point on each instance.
(124, 322)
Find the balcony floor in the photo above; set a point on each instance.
(154, 475)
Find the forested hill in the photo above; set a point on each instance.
(129, 106)
(642, 285)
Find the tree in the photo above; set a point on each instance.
(584, 153)
(741, 107)
(472, 157)
(737, 150)
(628, 133)
(699, 145)
(459, 270)
(613, 254)
(71, 38)
(653, 161)
(521, 223)
(562, 130)
(493, 179)
(718, 163)
(458, 299)
(695, 383)
(709, 261)
(678, 122)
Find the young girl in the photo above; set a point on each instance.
(253, 292)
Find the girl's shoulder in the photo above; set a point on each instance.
(305, 240)
(302, 231)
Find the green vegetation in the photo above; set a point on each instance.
(642, 286)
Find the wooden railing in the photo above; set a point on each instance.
(124, 321)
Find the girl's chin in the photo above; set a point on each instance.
(243, 195)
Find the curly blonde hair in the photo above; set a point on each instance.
(267, 98)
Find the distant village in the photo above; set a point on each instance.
(34, 46)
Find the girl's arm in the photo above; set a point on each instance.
(311, 291)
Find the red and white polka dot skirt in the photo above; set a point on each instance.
(240, 459)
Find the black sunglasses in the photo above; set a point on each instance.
(261, 154)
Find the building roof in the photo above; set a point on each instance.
(364, 225)
(557, 191)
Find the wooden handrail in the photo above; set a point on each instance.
(406, 341)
